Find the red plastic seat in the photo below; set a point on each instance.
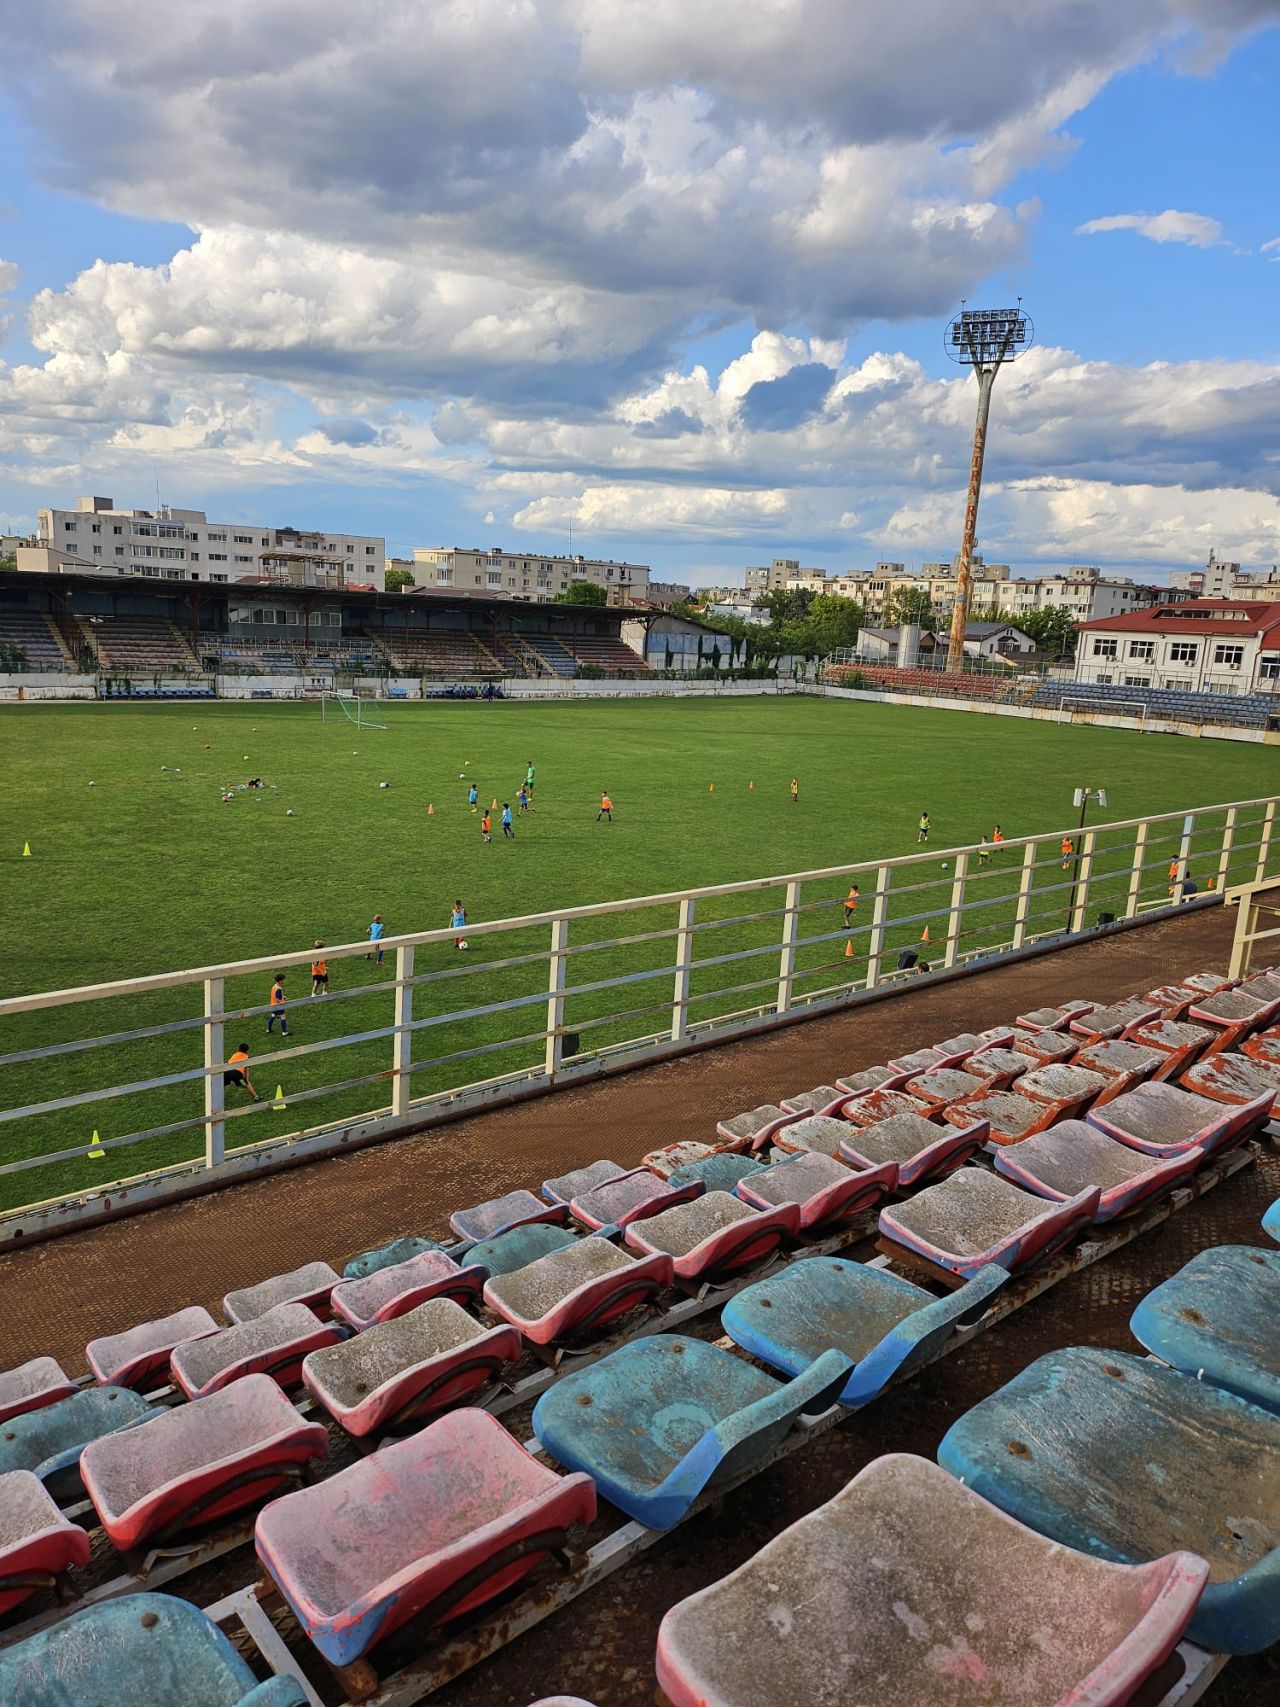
(1234, 1079)
(428, 1528)
(1162, 1119)
(31, 1386)
(37, 1544)
(1117, 1020)
(868, 1108)
(1007, 1116)
(1178, 1042)
(274, 1345)
(973, 1217)
(629, 1198)
(310, 1285)
(816, 1101)
(1234, 1014)
(920, 1149)
(1071, 1156)
(944, 1085)
(999, 1068)
(1053, 1019)
(1263, 1046)
(1045, 1047)
(390, 1292)
(198, 1462)
(715, 1236)
(501, 1214)
(573, 1294)
(665, 1161)
(820, 1134)
(755, 1128)
(827, 1192)
(137, 1356)
(1069, 1090)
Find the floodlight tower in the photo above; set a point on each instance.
(983, 339)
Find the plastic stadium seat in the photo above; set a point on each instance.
(754, 1128)
(954, 1051)
(144, 1649)
(394, 1290)
(137, 1356)
(907, 1587)
(573, 1294)
(827, 1192)
(412, 1367)
(567, 1186)
(972, 1218)
(501, 1214)
(660, 1420)
(715, 1236)
(816, 1101)
(998, 1068)
(1216, 1319)
(1206, 982)
(1173, 1000)
(428, 1528)
(386, 1256)
(50, 1441)
(942, 1086)
(1093, 1449)
(1071, 1156)
(1179, 1043)
(868, 1108)
(629, 1198)
(665, 1161)
(921, 1149)
(916, 1061)
(1008, 1117)
(1263, 1046)
(1045, 1047)
(519, 1247)
(1070, 1089)
(310, 1285)
(1271, 1221)
(37, 1544)
(187, 1467)
(31, 1386)
(1234, 1079)
(274, 1345)
(1234, 1014)
(720, 1172)
(1053, 1019)
(1122, 1064)
(819, 1134)
(883, 1324)
(1161, 1120)
(871, 1079)
(1115, 1021)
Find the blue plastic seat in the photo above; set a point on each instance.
(659, 1420)
(720, 1172)
(522, 1245)
(143, 1649)
(387, 1256)
(1217, 1320)
(883, 1324)
(50, 1441)
(1271, 1221)
(1122, 1458)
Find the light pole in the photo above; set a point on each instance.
(1081, 798)
(983, 339)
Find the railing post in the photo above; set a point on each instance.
(684, 955)
(879, 910)
(555, 997)
(1025, 881)
(1184, 854)
(787, 962)
(955, 911)
(1228, 842)
(215, 1132)
(1264, 840)
(1082, 881)
(1247, 912)
(402, 1043)
(1135, 876)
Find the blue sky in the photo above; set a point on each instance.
(677, 280)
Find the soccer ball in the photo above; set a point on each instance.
(945, 867)
(164, 767)
(93, 785)
(462, 776)
(464, 945)
(289, 812)
(245, 757)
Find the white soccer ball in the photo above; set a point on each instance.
(462, 776)
(177, 770)
(93, 785)
(384, 785)
(464, 945)
(193, 728)
(289, 812)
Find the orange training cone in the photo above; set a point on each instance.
(848, 951)
(431, 811)
(752, 783)
(493, 806)
(924, 934)
(712, 789)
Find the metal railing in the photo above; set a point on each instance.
(118, 1089)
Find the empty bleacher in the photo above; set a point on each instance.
(145, 645)
(33, 642)
(557, 660)
(945, 684)
(437, 653)
(605, 653)
(914, 1571)
(1242, 711)
(269, 656)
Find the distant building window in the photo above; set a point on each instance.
(68, 527)
(370, 550)
(217, 556)
(241, 558)
(1269, 669)
(1142, 651)
(217, 577)
(1104, 646)
(242, 539)
(1137, 681)
(1230, 657)
(1184, 651)
(220, 537)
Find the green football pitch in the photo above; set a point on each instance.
(139, 865)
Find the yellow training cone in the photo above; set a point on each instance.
(712, 789)
(96, 1152)
(752, 783)
(26, 850)
(279, 1101)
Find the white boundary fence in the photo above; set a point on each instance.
(695, 965)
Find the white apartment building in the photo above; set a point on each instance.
(170, 544)
(1222, 580)
(499, 574)
(1192, 646)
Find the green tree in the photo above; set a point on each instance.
(582, 593)
(1052, 628)
(909, 605)
(833, 622)
(786, 605)
(394, 579)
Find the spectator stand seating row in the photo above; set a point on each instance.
(443, 1519)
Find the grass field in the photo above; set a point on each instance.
(149, 870)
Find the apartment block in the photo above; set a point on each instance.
(499, 574)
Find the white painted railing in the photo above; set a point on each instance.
(531, 1008)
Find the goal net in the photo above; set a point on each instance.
(334, 707)
(1086, 710)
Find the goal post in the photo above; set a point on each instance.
(334, 707)
(1078, 707)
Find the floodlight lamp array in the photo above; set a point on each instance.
(981, 337)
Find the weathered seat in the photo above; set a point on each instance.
(1053, 1018)
(954, 1051)
(755, 1127)
(1207, 982)
(871, 1079)
(715, 1236)
(1122, 1063)
(187, 1467)
(972, 1218)
(49, 1441)
(816, 1101)
(391, 1291)
(1126, 1460)
(33, 1385)
(943, 1085)
(37, 1544)
(1234, 1014)
(997, 1069)
(720, 1172)
(387, 1256)
(827, 1192)
(921, 1149)
(1173, 1000)
(908, 1588)
(143, 1649)
(274, 1345)
(1234, 1079)
(501, 1214)
(409, 1368)
(574, 1294)
(427, 1528)
(868, 1108)
(1161, 1119)
(660, 1420)
(1071, 1156)
(630, 1197)
(884, 1325)
(819, 1134)
(666, 1160)
(1263, 1046)
(310, 1285)
(915, 1061)
(1178, 1042)
(565, 1187)
(1118, 1020)
(1068, 1090)
(1271, 1220)
(1216, 1319)
(522, 1245)
(1008, 1116)
(1045, 1046)
(138, 1356)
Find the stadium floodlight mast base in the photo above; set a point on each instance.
(983, 339)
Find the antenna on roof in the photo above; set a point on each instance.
(155, 469)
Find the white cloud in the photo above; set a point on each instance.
(1171, 226)
(1272, 249)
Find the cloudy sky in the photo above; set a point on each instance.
(673, 274)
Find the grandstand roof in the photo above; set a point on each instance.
(1197, 616)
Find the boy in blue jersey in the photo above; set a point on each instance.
(508, 828)
(473, 797)
(375, 936)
